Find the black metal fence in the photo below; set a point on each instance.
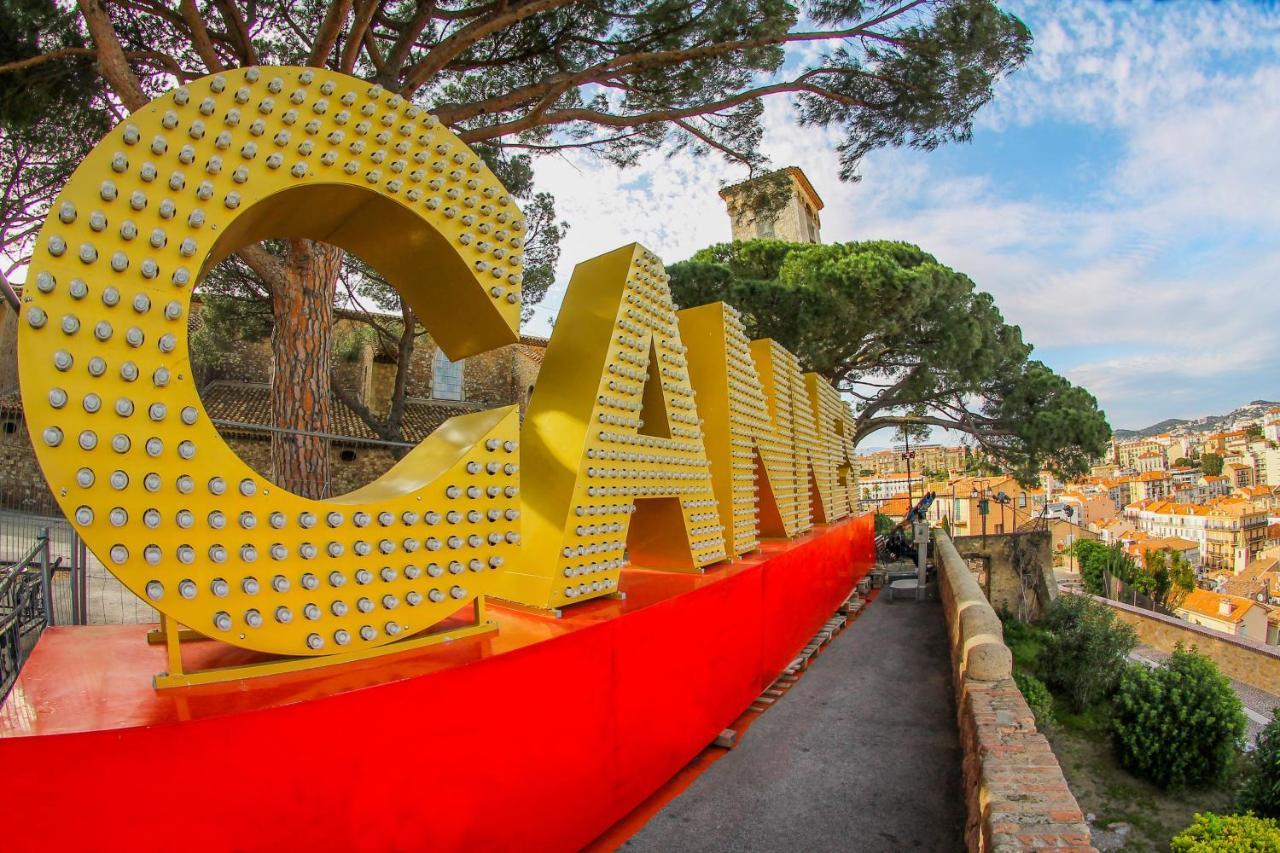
(25, 604)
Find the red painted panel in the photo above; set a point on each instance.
(540, 737)
(802, 586)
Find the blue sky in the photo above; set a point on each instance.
(1120, 198)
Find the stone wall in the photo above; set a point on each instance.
(491, 377)
(1016, 797)
(1254, 663)
(8, 348)
(486, 378)
(1004, 585)
(350, 467)
(22, 485)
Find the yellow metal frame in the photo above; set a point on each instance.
(173, 635)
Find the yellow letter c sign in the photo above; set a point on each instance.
(116, 421)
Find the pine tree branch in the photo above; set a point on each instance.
(268, 267)
(409, 35)
(530, 121)
(112, 62)
(40, 59)
(356, 35)
(322, 46)
(503, 16)
(238, 31)
(200, 36)
(724, 149)
(631, 63)
(375, 56)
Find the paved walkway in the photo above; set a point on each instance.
(1258, 704)
(862, 754)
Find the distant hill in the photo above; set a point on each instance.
(1235, 419)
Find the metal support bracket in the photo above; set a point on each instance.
(172, 635)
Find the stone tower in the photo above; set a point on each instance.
(795, 220)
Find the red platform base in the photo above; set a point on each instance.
(539, 738)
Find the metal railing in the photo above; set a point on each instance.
(25, 604)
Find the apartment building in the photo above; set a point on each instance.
(1235, 532)
(1169, 519)
(1153, 486)
(881, 487)
(1127, 453)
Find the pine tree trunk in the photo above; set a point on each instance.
(301, 349)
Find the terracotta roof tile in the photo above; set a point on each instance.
(1206, 603)
(251, 404)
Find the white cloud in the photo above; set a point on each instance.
(1172, 261)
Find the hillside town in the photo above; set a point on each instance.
(1211, 497)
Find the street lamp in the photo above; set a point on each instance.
(1004, 500)
(908, 454)
(980, 494)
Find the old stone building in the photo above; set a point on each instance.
(236, 392)
(792, 202)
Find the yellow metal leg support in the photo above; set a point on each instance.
(178, 677)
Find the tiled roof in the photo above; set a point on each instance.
(534, 349)
(895, 507)
(1206, 603)
(1253, 579)
(249, 403)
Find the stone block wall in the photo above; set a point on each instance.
(486, 378)
(1245, 660)
(22, 484)
(8, 348)
(489, 377)
(1004, 585)
(350, 466)
(1016, 797)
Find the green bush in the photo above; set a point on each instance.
(1260, 792)
(1227, 833)
(883, 523)
(1025, 641)
(1038, 698)
(1086, 649)
(1178, 725)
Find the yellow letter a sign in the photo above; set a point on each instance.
(613, 460)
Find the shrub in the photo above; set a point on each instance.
(1086, 649)
(1178, 725)
(1038, 698)
(1211, 832)
(1025, 641)
(884, 524)
(1260, 792)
